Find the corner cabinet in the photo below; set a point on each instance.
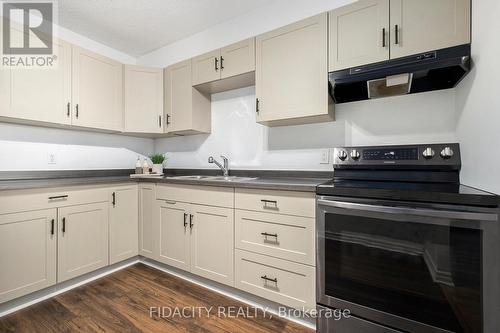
(28, 245)
(97, 90)
(123, 223)
(292, 74)
(83, 239)
(143, 100)
(187, 110)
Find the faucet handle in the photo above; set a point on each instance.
(224, 157)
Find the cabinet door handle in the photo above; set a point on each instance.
(58, 197)
(68, 109)
(265, 234)
(77, 111)
(396, 32)
(265, 278)
(185, 220)
(383, 38)
(114, 199)
(257, 102)
(191, 221)
(221, 63)
(216, 64)
(64, 225)
(168, 119)
(159, 121)
(52, 227)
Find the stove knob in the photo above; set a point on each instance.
(447, 153)
(342, 155)
(428, 153)
(355, 154)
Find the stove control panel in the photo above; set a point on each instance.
(409, 155)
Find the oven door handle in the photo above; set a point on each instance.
(436, 213)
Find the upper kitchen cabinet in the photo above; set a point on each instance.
(206, 67)
(187, 110)
(143, 100)
(292, 74)
(97, 85)
(426, 25)
(359, 34)
(231, 67)
(371, 31)
(39, 95)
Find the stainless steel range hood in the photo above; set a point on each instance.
(436, 70)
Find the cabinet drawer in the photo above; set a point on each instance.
(282, 202)
(278, 280)
(202, 195)
(281, 236)
(26, 200)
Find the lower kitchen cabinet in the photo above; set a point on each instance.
(173, 233)
(83, 239)
(196, 238)
(28, 244)
(123, 224)
(146, 208)
(212, 243)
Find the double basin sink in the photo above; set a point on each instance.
(233, 179)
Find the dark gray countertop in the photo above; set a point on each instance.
(267, 180)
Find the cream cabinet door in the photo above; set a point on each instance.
(206, 67)
(238, 58)
(212, 243)
(146, 200)
(44, 94)
(5, 92)
(292, 73)
(359, 34)
(143, 100)
(97, 90)
(187, 110)
(82, 240)
(426, 25)
(123, 224)
(172, 219)
(28, 243)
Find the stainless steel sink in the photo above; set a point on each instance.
(233, 179)
(230, 179)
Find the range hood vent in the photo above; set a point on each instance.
(436, 70)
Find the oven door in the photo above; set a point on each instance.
(417, 269)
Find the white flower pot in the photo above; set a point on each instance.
(158, 168)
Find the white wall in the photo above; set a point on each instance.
(277, 14)
(422, 118)
(478, 102)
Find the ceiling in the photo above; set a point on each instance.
(137, 27)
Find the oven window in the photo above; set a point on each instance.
(426, 273)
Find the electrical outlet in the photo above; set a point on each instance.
(51, 158)
(325, 156)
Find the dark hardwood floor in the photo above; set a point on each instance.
(121, 302)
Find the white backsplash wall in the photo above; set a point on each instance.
(423, 118)
(29, 148)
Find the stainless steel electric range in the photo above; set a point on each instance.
(403, 246)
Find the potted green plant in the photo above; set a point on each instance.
(157, 160)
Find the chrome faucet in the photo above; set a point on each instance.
(224, 166)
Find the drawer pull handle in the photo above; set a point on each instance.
(265, 234)
(58, 197)
(265, 278)
(270, 202)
